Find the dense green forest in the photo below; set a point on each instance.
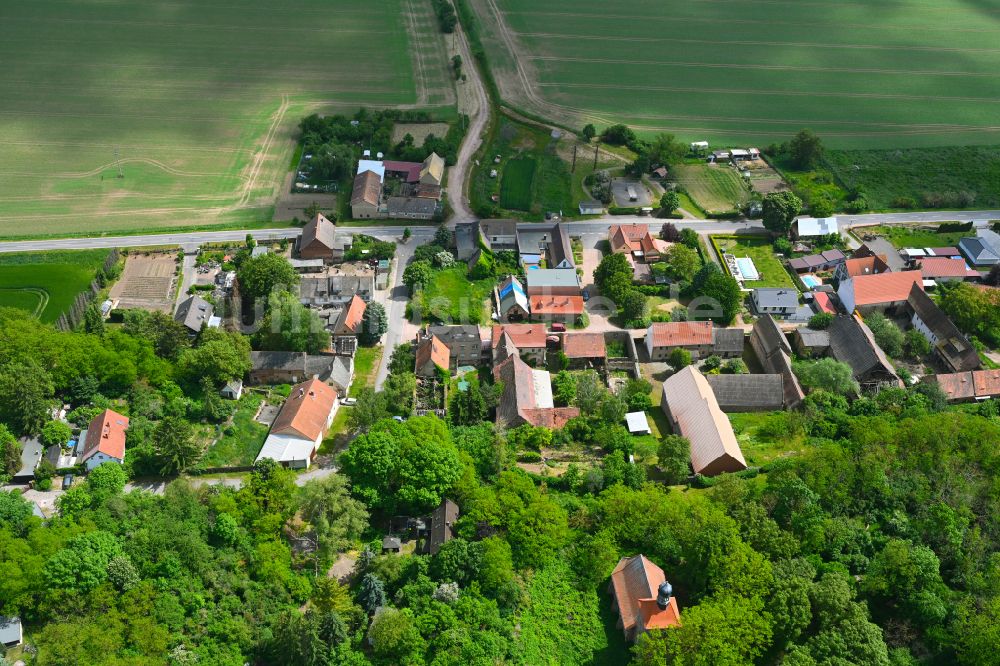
(878, 545)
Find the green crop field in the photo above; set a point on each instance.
(515, 188)
(862, 74)
(46, 283)
(198, 103)
(716, 188)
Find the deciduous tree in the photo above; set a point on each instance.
(779, 210)
(374, 324)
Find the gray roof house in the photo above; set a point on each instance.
(983, 249)
(193, 313)
(335, 290)
(727, 342)
(810, 341)
(853, 343)
(775, 355)
(953, 348)
(466, 240)
(442, 525)
(281, 367)
(748, 393)
(775, 301)
(551, 280)
(499, 234)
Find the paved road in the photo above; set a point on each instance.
(190, 240)
(458, 175)
(396, 306)
(196, 238)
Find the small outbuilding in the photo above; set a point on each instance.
(638, 423)
(11, 632)
(232, 390)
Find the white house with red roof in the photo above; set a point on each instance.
(105, 439)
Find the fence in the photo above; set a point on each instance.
(74, 316)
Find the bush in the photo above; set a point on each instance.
(821, 321)
(529, 457)
(679, 358)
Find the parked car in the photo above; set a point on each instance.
(67, 481)
(559, 328)
(586, 295)
(349, 401)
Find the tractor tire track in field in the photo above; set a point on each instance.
(419, 67)
(84, 144)
(110, 165)
(831, 5)
(261, 156)
(791, 24)
(527, 83)
(747, 42)
(782, 93)
(766, 67)
(563, 110)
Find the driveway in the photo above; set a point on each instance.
(189, 274)
(395, 308)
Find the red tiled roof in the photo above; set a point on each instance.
(411, 169)
(945, 251)
(552, 418)
(884, 287)
(556, 305)
(866, 266)
(524, 336)
(628, 236)
(367, 188)
(434, 350)
(944, 267)
(957, 385)
(584, 345)
(681, 333)
(987, 382)
(635, 583)
(305, 411)
(351, 318)
(106, 434)
(974, 384)
(823, 302)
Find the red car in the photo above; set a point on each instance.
(558, 328)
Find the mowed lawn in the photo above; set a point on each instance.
(865, 74)
(714, 187)
(48, 280)
(196, 103)
(917, 236)
(515, 187)
(772, 272)
(452, 298)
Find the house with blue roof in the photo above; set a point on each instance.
(512, 300)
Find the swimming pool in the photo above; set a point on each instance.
(811, 281)
(747, 268)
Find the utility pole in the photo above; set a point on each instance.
(595, 158)
(118, 163)
(573, 169)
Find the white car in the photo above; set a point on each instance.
(349, 401)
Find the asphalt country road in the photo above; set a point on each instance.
(194, 239)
